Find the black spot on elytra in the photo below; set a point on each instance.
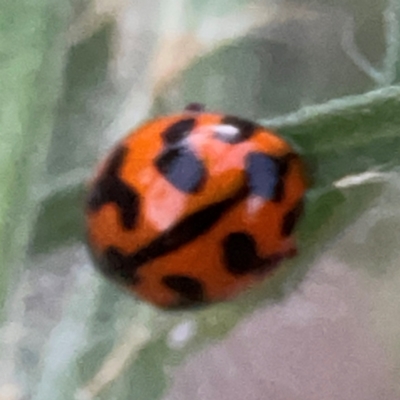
(178, 131)
(290, 219)
(266, 175)
(109, 188)
(189, 290)
(123, 268)
(119, 267)
(245, 130)
(241, 257)
(180, 166)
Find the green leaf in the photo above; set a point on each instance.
(54, 228)
(346, 136)
(32, 60)
(80, 115)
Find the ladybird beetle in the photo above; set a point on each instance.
(192, 208)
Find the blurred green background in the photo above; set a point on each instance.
(75, 76)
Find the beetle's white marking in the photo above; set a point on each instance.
(227, 132)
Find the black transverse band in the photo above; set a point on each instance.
(187, 230)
